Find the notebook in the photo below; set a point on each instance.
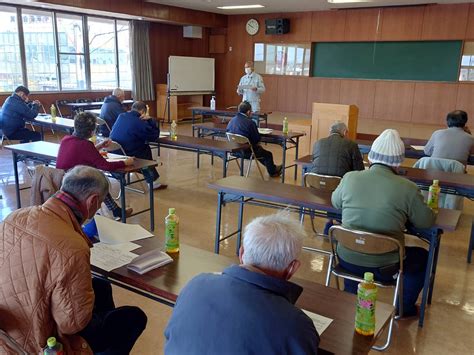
(149, 261)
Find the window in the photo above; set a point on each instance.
(282, 59)
(71, 52)
(467, 63)
(10, 57)
(54, 51)
(102, 53)
(40, 51)
(125, 67)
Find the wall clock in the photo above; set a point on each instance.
(252, 27)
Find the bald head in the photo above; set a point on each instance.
(338, 127)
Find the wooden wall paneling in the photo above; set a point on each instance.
(96, 5)
(323, 91)
(155, 11)
(122, 6)
(328, 26)
(445, 21)
(363, 24)
(402, 23)
(300, 27)
(465, 100)
(270, 97)
(394, 100)
(432, 101)
(292, 94)
(470, 23)
(217, 44)
(360, 93)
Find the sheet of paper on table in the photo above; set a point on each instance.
(113, 232)
(109, 257)
(320, 322)
(418, 147)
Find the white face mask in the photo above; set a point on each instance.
(248, 70)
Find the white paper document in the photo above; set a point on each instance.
(149, 261)
(265, 130)
(418, 147)
(110, 257)
(113, 232)
(320, 322)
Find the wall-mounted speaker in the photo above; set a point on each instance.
(277, 26)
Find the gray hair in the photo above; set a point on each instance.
(272, 242)
(249, 63)
(118, 92)
(84, 125)
(338, 127)
(83, 181)
(139, 106)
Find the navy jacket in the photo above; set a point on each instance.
(133, 133)
(15, 112)
(241, 124)
(109, 111)
(239, 312)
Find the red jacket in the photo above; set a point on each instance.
(77, 151)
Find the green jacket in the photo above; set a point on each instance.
(379, 201)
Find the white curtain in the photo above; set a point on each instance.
(142, 83)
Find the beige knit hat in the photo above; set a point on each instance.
(387, 149)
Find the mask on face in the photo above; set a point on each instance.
(248, 70)
(88, 213)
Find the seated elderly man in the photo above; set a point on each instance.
(47, 289)
(379, 201)
(336, 155)
(15, 111)
(248, 308)
(242, 124)
(111, 109)
(455, 142)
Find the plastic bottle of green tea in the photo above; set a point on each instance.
(365, 307)
(433, 195)
(172, 231)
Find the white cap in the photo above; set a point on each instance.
(387, 149)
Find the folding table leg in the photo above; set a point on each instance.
(17, 180)
(435, 263)
(283, 162)
(428, 274)
(239, 234)
(122, 197)
(471, 244)
(220, 198)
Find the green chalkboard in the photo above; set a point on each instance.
(419, 60)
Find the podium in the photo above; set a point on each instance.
(179, 103)
(324, 115)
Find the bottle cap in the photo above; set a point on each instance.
(368, 276)
(436, 182)
(171, 210)
(51, 342)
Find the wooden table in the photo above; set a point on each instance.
(365, 142)
(48, 152)
(199, 145)
(45, 121)
(286, 141)
(165, 284)
(82, 106)
(294, 198)
(450, 183)
(203, 110)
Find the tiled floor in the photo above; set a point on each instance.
(449, 323)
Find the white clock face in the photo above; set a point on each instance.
(252, 26)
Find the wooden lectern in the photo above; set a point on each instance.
(324, 115)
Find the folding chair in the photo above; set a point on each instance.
(60, 103)
(114, 146)
(102, 122)
(237, 138)
(11, 343)
(324, 183)
(368, 243)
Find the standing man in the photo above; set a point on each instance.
(111, 109)
(15, 111)
(251, 87)
(336, 155)
(249, 308)
(133, 130)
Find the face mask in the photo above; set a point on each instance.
(88, 213)
(248, 70)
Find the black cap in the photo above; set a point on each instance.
(22, 89)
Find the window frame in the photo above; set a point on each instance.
(294, 44)
(86, 52)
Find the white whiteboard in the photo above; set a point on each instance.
(190, 74)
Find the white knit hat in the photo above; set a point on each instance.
(387, 149)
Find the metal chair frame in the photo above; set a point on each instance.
(239, 139)
(368, 243)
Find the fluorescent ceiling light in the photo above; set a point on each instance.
(238, 7)
(347, 1)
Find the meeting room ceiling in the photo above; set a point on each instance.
(272, 6)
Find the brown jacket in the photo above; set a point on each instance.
(45, 278)
(46, 182)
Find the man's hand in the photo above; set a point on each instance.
(103, 144)
(129, 161)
